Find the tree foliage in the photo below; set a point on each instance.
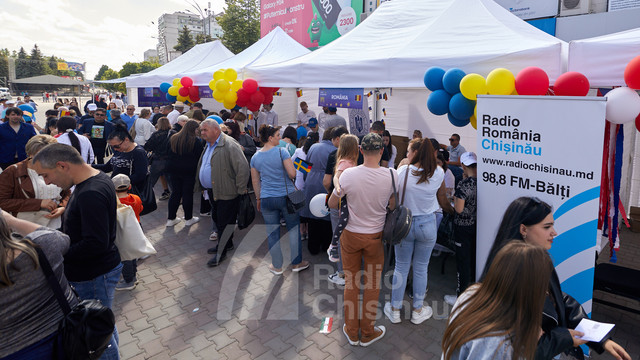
(22, 64)
(185, 41)
(240, 24)
(202, 38)
(4, 69)
(37, 65)
(129, 68)
(101, 72)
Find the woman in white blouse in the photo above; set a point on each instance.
(142, 128)
(66, 128)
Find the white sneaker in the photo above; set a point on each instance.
(173, 222)
(192, 221)
(393, 315)
(380, 330)
(336, 279)
(213, 236)
(420, 317)
(450, 299)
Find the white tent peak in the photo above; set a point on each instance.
(199, 56)
(273, 48)
(402, 38)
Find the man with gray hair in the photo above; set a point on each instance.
(223, 172)
(92, 264)
(178, 109)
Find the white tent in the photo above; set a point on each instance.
(602, 59)
(198, 57)
(402, 38)
(275, 47)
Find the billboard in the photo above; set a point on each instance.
(312, 23)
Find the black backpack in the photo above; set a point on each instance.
(86, 330)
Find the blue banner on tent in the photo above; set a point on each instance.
(149, 97)
(205, 92)
(343, 98)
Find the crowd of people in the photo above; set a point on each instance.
(59, 191)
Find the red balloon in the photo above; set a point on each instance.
(194, 93)
(532, 81)
(257, 98)
(638, 122)
(243, 96)
(250, 86)
(275, 89)
(632, 73)
(183, 91)
(268, 99)
(186, 81)
(571, 83)
(241, 102)
(253, 107)
(194, 99)
(266, 90)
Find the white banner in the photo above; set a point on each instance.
(550, 148)
(530, 9)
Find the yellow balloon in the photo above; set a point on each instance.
(218, 95)
(500, 82)
(173, 91)
(212, 84)
(515, 92)
(230, 75)
(230, 97)
(236, 85)
(473, 85)
(223, 85)
(176, 82)
(475, 111)
(229, 105)
(218, 75)
(182, 98)
(474, 121)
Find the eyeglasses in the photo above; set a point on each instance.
(130, 109)
(116, 147)
(96, 114)
(452, 139)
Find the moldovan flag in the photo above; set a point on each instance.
(302, 165)
(325, 328)
(299, 92)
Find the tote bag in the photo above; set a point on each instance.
(130, 240)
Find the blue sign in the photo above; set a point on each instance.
(343, 98)
(205, 92)
(149, 97)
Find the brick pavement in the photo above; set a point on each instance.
(182, 309)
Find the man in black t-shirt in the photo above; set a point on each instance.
(92, 264)
(164, 111)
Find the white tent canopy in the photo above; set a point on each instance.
(603, 59)
(275, 47)
(200, 56)
(402, 38)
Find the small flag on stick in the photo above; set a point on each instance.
(327, 323)
(299, 92)
(302, 165)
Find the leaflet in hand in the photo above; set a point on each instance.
(593, 330)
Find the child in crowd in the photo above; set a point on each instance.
(346, 157)
(122, 184)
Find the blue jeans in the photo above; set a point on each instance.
(41, 350)
(419, 244)
(334, 214)
(273, 208)
(102, 288)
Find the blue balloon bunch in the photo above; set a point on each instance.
(164, 87)
(445, 97)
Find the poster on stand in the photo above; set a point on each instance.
(359, 122)
(549, 148)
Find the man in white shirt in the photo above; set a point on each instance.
(119, 103)
(267, 116)
(178, 109)
(304, 115)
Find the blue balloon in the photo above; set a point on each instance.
(171, 98)
(236, 108)
(461, 107)
(164, 87)
(451, 80)
(457, 122)
(438, 102)
(433, 78)
(216, 118)
(28, 112)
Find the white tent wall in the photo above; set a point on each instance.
(132, 97)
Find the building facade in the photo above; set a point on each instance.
(151, 55)
(170, 25)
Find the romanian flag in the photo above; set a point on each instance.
(299, 92)
(370, 93)
(250, 116)
(385, 96)
(302, 165)
(379, 96)
(358, 97)
(277, 93)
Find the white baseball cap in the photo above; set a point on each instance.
(468, 158)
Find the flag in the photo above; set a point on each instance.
(385, 96)
(379, 96)
(63, 66)
(302, 165)
(299, 92)
(75, 66)
(384, 111)
(358, 97)
(277, 93)
(370, 93)
(327, 323)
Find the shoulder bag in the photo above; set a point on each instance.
(246, 212)
(130, 239)
(145, 193)
(86, 330)
(295, 200)
(398, 221)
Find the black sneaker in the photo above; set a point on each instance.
(165, 195)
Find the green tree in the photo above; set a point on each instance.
(101, 72)
(241, 24)
(5, 52)
(185, 41)
(4, 69)
(202, 38)
(53, 65)
(147, 66)
(109, 74)
(36, 63)
(22, 64)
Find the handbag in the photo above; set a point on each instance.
(246, 212)
(146, 194)
(86, 330)
(445, 232)
(295, 200)
(398, 221)
(130, 239)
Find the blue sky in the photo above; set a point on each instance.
(96, 32)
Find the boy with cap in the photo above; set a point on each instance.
(362, 238)
(122, 184)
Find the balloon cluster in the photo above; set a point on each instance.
(181, 89)
(446, 97)
(623, 103)
(225, 85)
(252, 96)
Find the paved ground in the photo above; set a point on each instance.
(184, 310)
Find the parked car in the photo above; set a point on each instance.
(4, 93)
